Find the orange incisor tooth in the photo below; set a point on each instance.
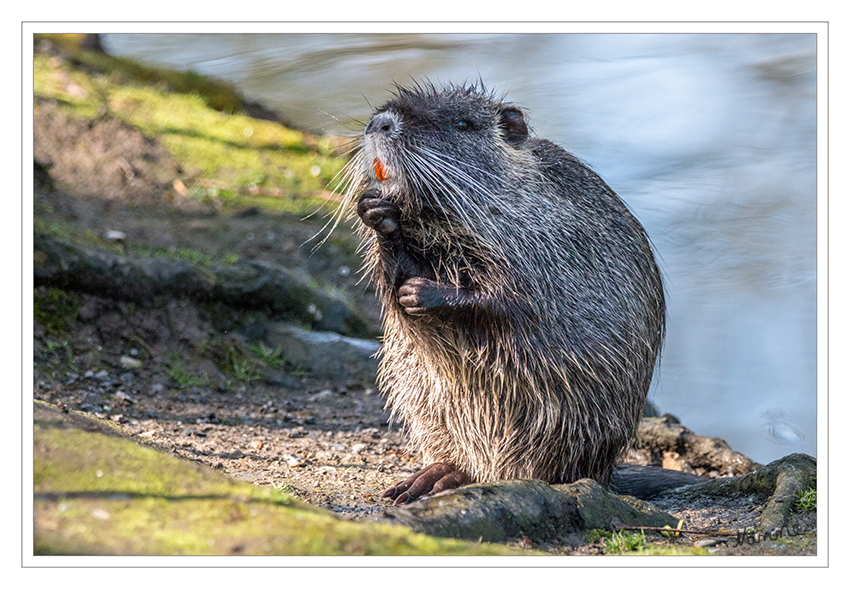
(380, 170)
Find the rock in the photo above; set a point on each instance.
(129, 362)
(660, 435)
(114, 236)
(707, 542)
(100, 514)
(294, 461)
(325, 353)
(504, 510)
(122, 397)
(246, 284)
(599, 507)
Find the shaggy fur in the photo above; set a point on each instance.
(546, 375)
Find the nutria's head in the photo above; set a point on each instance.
(431, 148)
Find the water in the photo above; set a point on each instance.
(710, 139)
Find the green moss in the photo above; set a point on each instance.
(97, 492)
(73, 233)
(55, 309)
(195, 257)
(216, 94)
(85, 237)
(244, 161)
(664, 549)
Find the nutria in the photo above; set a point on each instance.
(523, 307)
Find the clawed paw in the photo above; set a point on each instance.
(430, 480)
(418, 295)
(378, 213)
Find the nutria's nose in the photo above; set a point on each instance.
(383, 122)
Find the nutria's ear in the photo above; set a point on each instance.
(512, 124)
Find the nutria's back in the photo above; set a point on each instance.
(523, 308)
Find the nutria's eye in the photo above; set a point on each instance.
(463, 125)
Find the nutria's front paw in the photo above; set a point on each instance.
(378, 213)
(428, 481)
(421, 296)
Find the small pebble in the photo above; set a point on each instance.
(129, 362)
(293, 461)
(114, 236)
(706, 542)
(122, 397)
(99, 513)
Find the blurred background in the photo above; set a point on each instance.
(709, 138)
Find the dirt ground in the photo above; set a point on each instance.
(158, 371)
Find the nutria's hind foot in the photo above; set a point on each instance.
(428, 481)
